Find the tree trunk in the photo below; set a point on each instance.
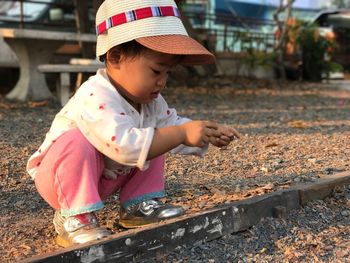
(83, 26)
(202, 37)
(282, 29)
(96, 4)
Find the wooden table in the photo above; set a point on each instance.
(33, 48)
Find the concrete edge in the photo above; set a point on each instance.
(205, 226)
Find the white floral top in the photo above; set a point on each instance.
(112, 126)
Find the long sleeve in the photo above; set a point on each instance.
(168, 116)
(107, 121)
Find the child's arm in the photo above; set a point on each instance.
(192, 133)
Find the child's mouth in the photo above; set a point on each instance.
(155, 94)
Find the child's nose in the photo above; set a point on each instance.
(162, 81)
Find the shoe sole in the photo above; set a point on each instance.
(62, 242)
(140, 222)
(136, 223)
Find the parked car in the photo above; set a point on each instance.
(333, 24)
(55, 15)
(337, 22)
(10, 11)
(41, 14)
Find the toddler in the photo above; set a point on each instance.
(113, 133)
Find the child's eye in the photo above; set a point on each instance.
(156, 71)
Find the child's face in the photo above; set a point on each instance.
(141, 79)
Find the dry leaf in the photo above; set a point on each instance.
(24, 246)
(269, 186)
(264, 169)
(273, 144)
(297, 124)
(34, 104)
(4, 106)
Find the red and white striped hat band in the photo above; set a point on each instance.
(137, 14)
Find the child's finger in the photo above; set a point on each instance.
(213, 133)
(237, 134)
(211, 125)
(205, 139)
(221, 143)
(228, 133)
(233, 133)
(215, 141)
(218, 142)
(216, 133)
(225, 138)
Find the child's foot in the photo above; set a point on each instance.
(147, 212)
(78, 229)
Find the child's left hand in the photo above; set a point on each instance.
(228, 134)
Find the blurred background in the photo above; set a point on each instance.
(296, 40)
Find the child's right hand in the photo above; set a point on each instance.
(199, 133)
(227, 135)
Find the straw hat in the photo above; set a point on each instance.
(154, 24)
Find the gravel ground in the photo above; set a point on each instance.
(294, 132)
(319, 232)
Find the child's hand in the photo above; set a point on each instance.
(227, 134)
(199, 133)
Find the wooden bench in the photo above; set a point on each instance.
(77, 66)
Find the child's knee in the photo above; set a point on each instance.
(75, 144)
(80, 143)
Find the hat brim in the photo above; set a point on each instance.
(194, 53)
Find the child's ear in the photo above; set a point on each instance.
(113, 58)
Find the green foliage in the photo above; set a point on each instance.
(257, 58)
(180, 3)
(317, 52)
(253, 49)
(340, 3)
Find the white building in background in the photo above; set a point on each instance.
(261, 11)
(310, 4)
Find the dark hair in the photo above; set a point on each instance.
(130, 49)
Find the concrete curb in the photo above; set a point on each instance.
(188, 230)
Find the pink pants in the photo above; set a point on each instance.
(70, 178)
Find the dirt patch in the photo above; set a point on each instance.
(291, 134)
